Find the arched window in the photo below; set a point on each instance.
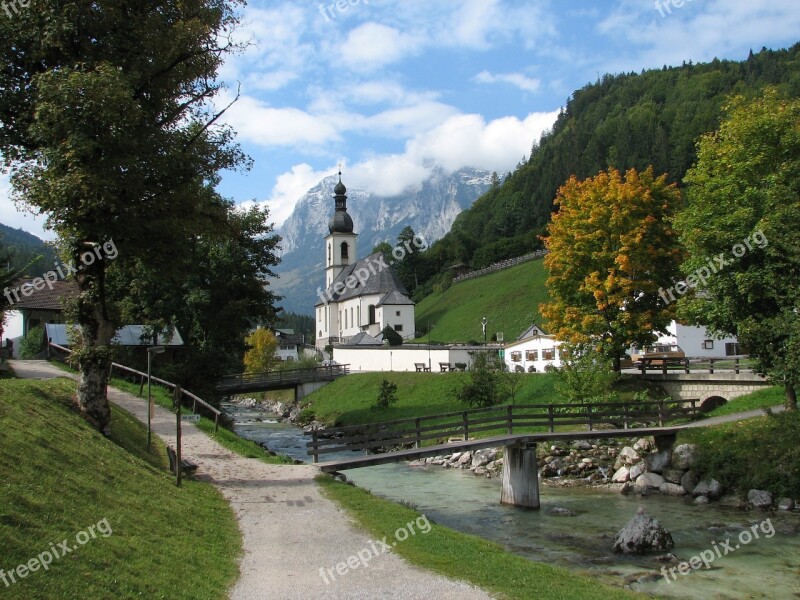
(372, 314)
(329, 254)
(345, 251)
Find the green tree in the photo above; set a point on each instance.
(387, 394)
(262, 353)
(585, 375)
(611, 250)
(384, 248)
(391, 336)
(484, 385)
(744, 207)
(108, 129)
(408, 266)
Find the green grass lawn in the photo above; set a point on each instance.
(60, 477)
(466, 557)
(509, 299)
(761, 399)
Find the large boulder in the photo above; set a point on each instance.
(642, 445)
(465, 459)
(582, 445)
(637, 469)
(671, 489)
(658, 461)
(641, 535)
(672, 475)
(759, 498)
(648, 481)
(710, 488)
(689, 481)
(684, 456)
(622, 475)
(629, 456)
(483, 457)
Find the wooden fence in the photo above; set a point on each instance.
(500, 419)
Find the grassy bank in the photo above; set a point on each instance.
(466, 557)
(60, 477)
(761, 453)
(509, 299)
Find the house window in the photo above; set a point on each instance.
(398, 328)
(345, 251)
(549, 354)
(372, 314)
(397, 313)
(353, 323)
(732, 349)
(531, 355)
(516, 356)
(708, 345)
(564, 353)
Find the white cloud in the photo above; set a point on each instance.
(371, 46)
(523, 82)
(19, 218)
(288, 189)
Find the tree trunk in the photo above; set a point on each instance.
(617, 366)
(791, 397)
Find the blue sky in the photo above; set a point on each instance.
(395, 88)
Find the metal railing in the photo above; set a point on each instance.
(503, 419)
(196, 400)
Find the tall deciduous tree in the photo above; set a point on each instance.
(262, 353)
(108, 128)
(611, 248)
(744, 206)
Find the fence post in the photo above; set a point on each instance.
(510, 418)
(736, 365)
(626, 416)
(314, 451)
(589, 415)
(216, 422)
(418, 433)
(711, 366)
(466, 426)
(660, 413)
(550, 417)
(686, 365)
(664, 366)
(141, 385)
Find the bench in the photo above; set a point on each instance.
(445, 366)
(187, 466)
(421, 367)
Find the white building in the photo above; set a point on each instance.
(289, 344)
(532, 351)
(696, 342)
(364, 353)
(360, 296)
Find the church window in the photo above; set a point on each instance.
(345, 251)
(372, 314)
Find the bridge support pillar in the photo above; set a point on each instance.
(302, 390)
(520, 476)
(664, 442)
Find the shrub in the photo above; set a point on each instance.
(387, 394)
(31, 345)
(306, 417)
(391, 336)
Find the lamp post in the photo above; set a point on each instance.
(150, 351)
(430, 327)
(484, 321)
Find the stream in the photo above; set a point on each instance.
(766, 567)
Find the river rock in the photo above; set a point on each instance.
(648, 480)
(689, 481)
(642, 534)
(637, 470)
(671, 489)
(483, 457)
(629, 456)
(480, 470)
(417, 463)
(582, 445)
(626, 488)
(785, 504)
(658, 461)
(684, 456)
(562, 512)
(701, 500)
(759, 498)
(465, 458)
(455, 456)
(642, 445)
(622, 475)
(711, 488)
(672, 475)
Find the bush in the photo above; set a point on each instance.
(391, 336)
(306, 417)
(31, 345)
(485, 383)
(387, 394)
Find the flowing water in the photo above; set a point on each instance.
(765, 565)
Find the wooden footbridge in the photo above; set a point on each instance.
(519, 428)
(302, 380)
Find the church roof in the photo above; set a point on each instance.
(532, 331)
(376, 279)
(363, 339)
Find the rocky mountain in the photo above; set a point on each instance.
(430, 211)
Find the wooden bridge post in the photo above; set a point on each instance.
(510, 419)
(466, 425)
(314, 447)
(550, 417)
(520, 476)
(418, 433)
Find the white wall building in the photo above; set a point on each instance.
(697, 342)
(532, 351)
(408, 357)
(360, 296)
(289, 344)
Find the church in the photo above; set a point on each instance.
(361, 297)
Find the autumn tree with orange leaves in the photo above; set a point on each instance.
(611, 248)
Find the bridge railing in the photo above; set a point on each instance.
(287, 376)
(501, 419)
(686, 365)
(196, 400)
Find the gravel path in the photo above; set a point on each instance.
(290, 530)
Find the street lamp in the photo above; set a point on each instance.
(430, 327)
(150, 351)
(484, 321)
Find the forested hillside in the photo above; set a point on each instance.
(25, 249)
(624, 121)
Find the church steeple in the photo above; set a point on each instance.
(340, 222)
